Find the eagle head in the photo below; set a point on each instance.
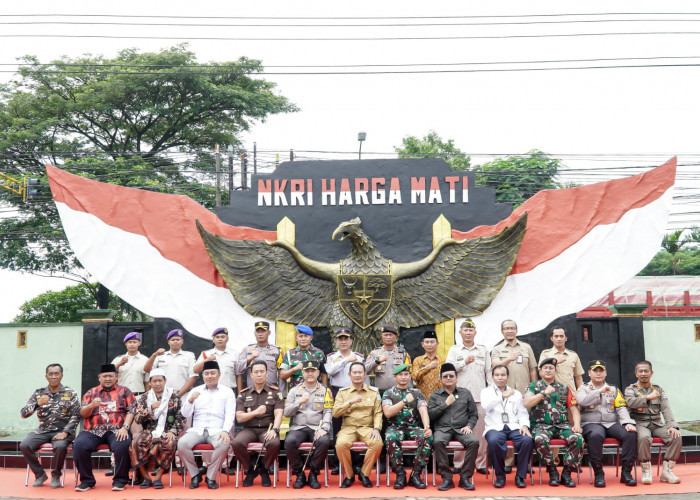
(349, 228)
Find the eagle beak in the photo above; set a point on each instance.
(337, 232)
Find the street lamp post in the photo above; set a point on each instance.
(361, 136)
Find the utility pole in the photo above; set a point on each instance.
(218, 177)
(230, 174)
(255, 158)
(244, 170)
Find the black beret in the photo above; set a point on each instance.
(549, 361)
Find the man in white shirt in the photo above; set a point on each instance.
(506, 419)
(130, 366)
(213, 409)
(225, 356)
(177, 364)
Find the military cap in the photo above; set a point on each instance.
(108, 368)
(306, 330)
(211, 365)
(549, 361)
(467, 323)
(133, 336)
(311, 365)
(447, 367)
(343, 332)
(223, 330)
(175, 333)
(389, 328)
(430, 335)
(401, 368)
(156, 372)
(596, 363)
(262, 325)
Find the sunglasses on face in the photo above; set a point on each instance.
(448, 376)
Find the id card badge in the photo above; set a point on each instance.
(504, 418)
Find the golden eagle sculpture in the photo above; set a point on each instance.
(272, 279)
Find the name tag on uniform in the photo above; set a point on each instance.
(504, 418)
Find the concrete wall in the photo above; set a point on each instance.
(671, 347)
(22, 369)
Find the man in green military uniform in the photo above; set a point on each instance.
(551, 402)
(294, 359)
(402, 407)
(647, 403)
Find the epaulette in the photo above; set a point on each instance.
(243, 390)
(252, 345)
(372, 388)
(274, 387)
(346, 387)
(400, 348)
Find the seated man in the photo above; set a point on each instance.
(407, 412)
(506, 419)
(360, 406)
(601, 407)
(453, 414)
(212, 408)
(260, 411)
(108, 411)
(551, 403)
(58, 409)
(309, 405)
(647, 403)
(158, 412)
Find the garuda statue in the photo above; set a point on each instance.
(272, 279)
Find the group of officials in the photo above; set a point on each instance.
(147, 409)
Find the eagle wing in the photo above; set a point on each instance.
(461, 281)
(267, 280)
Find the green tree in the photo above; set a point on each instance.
(672, 243)
(119, 120)
(515, 178)
(687, 262)
(63, 306)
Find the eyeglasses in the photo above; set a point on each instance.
(509, 328)
(448, 375)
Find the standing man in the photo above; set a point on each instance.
(212, 409)
(58, 410)
(310, 406)
(407, 412)
(551, 403)
(569, 368)
(260, 409)
(108, 411)
(360, 407)
(131, 366)
(601, 407)
(517, 356)
(647, 402)
(261, 350)
(225, 357)
(295, 358)
(426, 368)
(177, 364)
(453, 414)
(473, 365)
(382, 360)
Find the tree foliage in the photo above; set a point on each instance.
(679, 254)
(515, 178)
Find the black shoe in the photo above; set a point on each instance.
(553, 475)
(347, 482)
(507, 469)
(466, 483)
(250, 477)
(400, 482)
(194, 483)
(446, 484)
(212, 484)
(365, 480)
(138, 479)
(110, 472)
(519, 482)
(146, 483)
(599, 475)
(500, 482)
(566, 478)
(457, 470)
(265, 478)
(202, 471)
(626, 474)
(313, 480)
(482, 470)
(84, 486)
(117, 486)
(416, 481)
(335, 471)
(300, 482)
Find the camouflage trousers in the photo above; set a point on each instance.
(574, 444)
(393, 437)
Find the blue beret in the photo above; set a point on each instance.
(304, 329)
(220, 330)
(133, 336)
(175, 333)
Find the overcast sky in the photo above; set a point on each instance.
(591, 118)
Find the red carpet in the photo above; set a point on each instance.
(12, 481)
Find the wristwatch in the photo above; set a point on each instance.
(276, 429)
(127, 427)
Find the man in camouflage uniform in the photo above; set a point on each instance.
(549, 401)
(295, 358)
(402, 407)
(647, 403)
(58, 409)
(263, 350)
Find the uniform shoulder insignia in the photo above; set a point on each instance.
(243, 390)
(372, 388)
(274, 387)
(344, 388)
(252, 345)
(401, 348)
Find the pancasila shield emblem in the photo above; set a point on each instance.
(365, 298)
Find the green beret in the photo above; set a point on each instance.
(401, 368)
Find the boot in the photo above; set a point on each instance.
(265, 476)
(566, 478)
(553, 475)
(400, 482)
(300, 482)
(626, 474)
(646, 473)
(599, 475)
(667, 475)
(250, 477)
(313, 479)
(416, 481)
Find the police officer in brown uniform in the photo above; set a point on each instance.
(256, 408)
(647, 403)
